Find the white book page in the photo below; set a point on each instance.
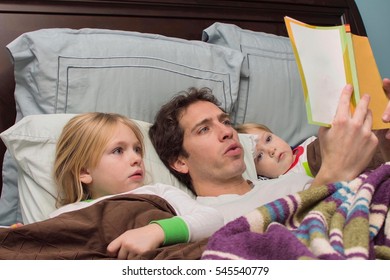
(321, 56)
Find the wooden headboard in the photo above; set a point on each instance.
(176, 18)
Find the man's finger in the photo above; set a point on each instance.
(368, 120)
(386, 86)
(361, 110)
(343, 108)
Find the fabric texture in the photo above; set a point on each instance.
(175, 230)
(233, 206)
(344, 220)
(196, 221)
(86, 233)
(57, 71)
(301, 164)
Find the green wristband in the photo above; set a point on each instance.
(175, 230)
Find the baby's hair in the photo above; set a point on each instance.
(81, 144)
(243, 128)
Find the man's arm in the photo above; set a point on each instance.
(349, 144)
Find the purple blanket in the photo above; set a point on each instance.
(345, 220)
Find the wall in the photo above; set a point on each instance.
(375, 14)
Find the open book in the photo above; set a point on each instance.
(328, 58)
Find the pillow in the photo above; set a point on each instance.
(74, 71)
(270, 87)
(32, 142)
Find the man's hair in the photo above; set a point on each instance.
(166, 134)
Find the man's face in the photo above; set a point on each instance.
(215, 153)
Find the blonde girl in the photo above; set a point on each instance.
(101, 154)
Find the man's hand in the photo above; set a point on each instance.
(384, 134)
(386, 113)
(136, 241)
(349, 144)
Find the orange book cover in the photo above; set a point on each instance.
(329, 57)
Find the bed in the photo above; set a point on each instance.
(60, 58)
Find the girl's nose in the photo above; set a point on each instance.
(135, 159)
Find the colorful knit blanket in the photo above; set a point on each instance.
(344, 220)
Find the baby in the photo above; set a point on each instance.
(274, 157)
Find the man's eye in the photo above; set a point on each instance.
(227, 122)
(203, 130)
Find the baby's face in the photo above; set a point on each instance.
(273, 155)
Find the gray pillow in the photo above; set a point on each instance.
(270, 87)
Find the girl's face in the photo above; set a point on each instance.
(120, 168)
(273, 155)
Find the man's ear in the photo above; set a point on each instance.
(85, 177)
(180, 165)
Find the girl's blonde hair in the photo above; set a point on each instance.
(81, 144)
(243, 128)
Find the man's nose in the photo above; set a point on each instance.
(226, 132)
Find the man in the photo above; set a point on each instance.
(196, 141)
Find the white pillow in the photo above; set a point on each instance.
(270, 86)
(32, 142)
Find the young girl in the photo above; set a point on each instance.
(99, 155)
(274, 157)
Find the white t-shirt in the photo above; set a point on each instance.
(202, 221)
(233, 206)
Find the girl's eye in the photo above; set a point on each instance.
(118, 150)
(269, 138)
(138, 150)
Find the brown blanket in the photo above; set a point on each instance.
(85, 234)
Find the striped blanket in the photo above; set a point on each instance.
(345, 220)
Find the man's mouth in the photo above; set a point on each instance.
(233, 149)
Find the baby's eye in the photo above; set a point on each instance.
(259, 156)
(269, 138)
